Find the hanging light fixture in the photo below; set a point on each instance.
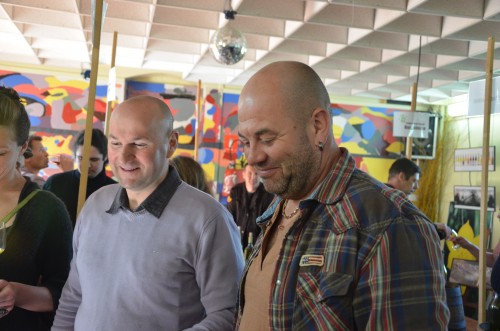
(228, 45)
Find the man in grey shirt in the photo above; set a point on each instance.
(150, 253)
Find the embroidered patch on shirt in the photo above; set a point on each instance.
(308, 260)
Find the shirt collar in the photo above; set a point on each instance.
(156, 202)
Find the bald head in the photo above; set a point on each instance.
(297, 85)
(145, 105)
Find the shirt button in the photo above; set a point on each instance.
(278, 282)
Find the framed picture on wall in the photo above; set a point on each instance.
(469, 197)
(425, 148)
(470, 159)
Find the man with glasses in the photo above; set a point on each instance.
(66, 184)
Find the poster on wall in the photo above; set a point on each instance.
(471, 159)
(425, 148)
(469, 197)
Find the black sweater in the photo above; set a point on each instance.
(65, 186)
(38, 252)
(246, 207)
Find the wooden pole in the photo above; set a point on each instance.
(409, 144)
(96, 42)
(113, 81)
(199, 119)
(484, 182)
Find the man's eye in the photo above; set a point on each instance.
(267, 140)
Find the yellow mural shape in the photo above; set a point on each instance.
(356, 120)
(395, 147)
(184, 139)
(467, 232)
(354, 148)
(367, 110)
(377, 167)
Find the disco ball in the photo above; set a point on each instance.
(228, 45)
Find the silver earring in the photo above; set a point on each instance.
(320, 146)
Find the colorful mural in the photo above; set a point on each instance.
(367, 133)
(57, 108)
(365, 130)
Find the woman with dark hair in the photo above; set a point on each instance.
(34, 262)
(191, 172)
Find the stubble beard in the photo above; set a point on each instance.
(299, 168)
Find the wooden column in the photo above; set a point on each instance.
(112, 72)
(484, 182)
(96, 42)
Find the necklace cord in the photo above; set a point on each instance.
(292, 214)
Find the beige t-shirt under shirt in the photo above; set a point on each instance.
(257, 286)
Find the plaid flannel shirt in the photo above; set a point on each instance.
(376, 260)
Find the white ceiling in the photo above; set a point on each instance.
(365, 48)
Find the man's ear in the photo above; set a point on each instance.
(401, 177)
(173, 141)
(23, 148)
(321, 123)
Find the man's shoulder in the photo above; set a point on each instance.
(108, 180)
(60, 180)
(377, 202)
(61, 176)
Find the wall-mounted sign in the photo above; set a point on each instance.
(476, 97)
(411, 124)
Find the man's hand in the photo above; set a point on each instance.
(444, 228)
(63, 161)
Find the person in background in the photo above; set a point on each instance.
(34, 262)
(37, 162)
(340, 250)
(495, 276)
(491, 257)
(20, 160)
(247, 201)
(404, 175)
(191, 172)
(66, 185)
(152, 253)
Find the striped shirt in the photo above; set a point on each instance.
(360, 257)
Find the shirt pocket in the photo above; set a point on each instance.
(322, 300)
